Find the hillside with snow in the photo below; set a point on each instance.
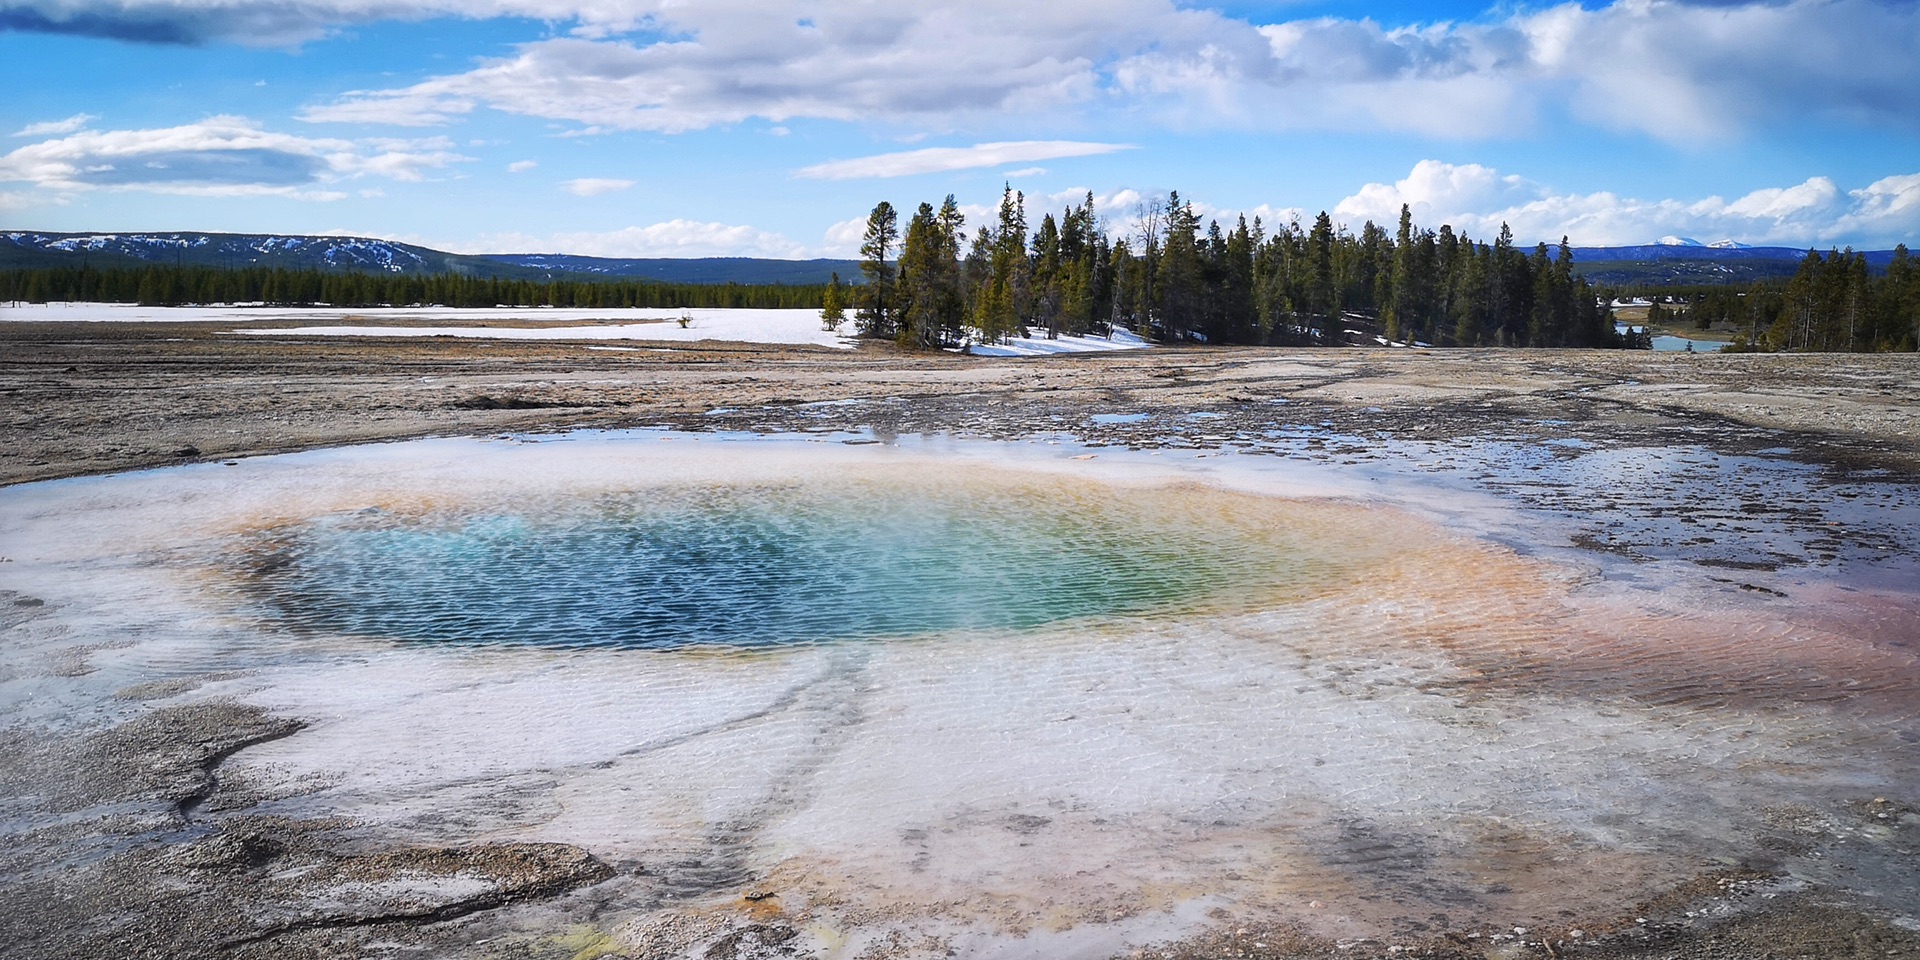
(30, 249)
(1671, 259)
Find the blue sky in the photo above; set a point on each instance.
(745, 127)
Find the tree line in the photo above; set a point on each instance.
(1832, 303)
(181, 285)
(1171, 280)
(1167, 280)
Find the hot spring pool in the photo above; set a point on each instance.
(889, 552)
(997, 697)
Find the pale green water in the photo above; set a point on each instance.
(796, 563)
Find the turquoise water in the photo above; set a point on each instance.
(753, 567)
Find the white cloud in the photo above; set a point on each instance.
(596, 186)
(1477, 200)
(1435, 189)
(843, 239)
(522, 166)
(219, 156)
(673, 238)
(56, 127)
(1889, 206)
(940, 159)
(1025, 172)
(1674, 70)
(933, 64)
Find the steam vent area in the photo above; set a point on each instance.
(1109, 691)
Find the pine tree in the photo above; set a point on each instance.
(920, 276)
(930, 301)
(876, 317)
(1238, 323)
(1047, 280)
(1322, 295)
(1472, 302)
(1178, 278)
(1399, 307)
(833, 306)
(1002, 304)
(950, 309)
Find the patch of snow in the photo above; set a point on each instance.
(798, 327)
(1122, 339)
(1672, 241)
(793, 327)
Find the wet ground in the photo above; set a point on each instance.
(1778, 493)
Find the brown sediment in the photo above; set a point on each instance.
(94, 398)
(128, 864)
(100, 397)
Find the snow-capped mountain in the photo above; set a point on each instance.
(20, 248)
(223, 250)
(1682, 260)
(1671, 259)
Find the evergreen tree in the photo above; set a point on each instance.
(1047, 277)
(950, 312)
(1237, 321)
(1323, 302)
(920, 277)
(877, 316)
(1003, 301)
(1178, 279)
(1399, 305)
(833, 305)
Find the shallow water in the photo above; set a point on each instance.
(889, 553)
(985, 691)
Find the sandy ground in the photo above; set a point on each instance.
(97, 398)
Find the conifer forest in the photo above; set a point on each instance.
(1167, 278)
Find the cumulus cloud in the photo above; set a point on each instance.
(219, 156)
(1477, 199)
(719, 63)
(271, 23)
(842, 239)
(56, 127)
(1680, 71)
(522, 166)
(1673, 70)
(596, 186)
(1438, 190)
(672, 238)
(940, 159)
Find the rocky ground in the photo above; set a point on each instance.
(97, 397)
(142, 850)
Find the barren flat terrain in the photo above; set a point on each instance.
(98, 397)
(159, 805)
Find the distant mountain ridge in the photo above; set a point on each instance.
(32, 249)
(1724, 250)
(1680, 260)
(1669, 260)
(753, 270)
(22, 248)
